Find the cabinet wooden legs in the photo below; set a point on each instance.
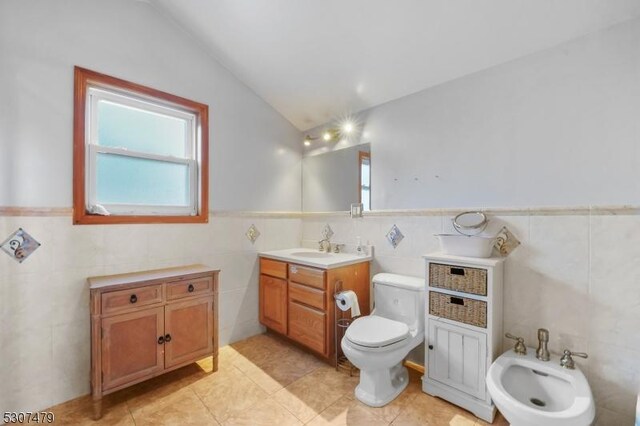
(97, 409)
(215, 363)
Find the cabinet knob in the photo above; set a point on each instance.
(191, 288)
(133, 298)
(430, 347)
(160, 340)
(167, 338)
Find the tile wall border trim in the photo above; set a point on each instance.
(595, 210)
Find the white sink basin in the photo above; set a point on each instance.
(465, 245)
(311, 254)
(530, 392)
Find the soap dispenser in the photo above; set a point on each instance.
(360, 249)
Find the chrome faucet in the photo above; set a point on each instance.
(567, 361)
(322, 245)
(542, 353)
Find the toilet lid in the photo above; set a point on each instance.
(374, 331)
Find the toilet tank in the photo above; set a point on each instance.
(400, 298)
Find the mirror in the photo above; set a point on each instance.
(332, 181)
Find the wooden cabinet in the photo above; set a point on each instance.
(297, 301)
(273, 303)
(147, 323)
(463, 329)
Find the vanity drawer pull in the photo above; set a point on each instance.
(133, 298)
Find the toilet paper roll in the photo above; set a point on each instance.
(346, 300)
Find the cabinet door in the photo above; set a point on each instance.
(457, 357)
(130, 348)
(188, 331)
(273, 303)
(307, 326)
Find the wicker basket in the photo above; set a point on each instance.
(461, 309)
(458, 278)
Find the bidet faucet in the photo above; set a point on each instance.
(542, 353)
(520, 348)
(567, 361)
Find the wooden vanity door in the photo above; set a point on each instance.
(188, 331)
(273, 303)
(130, 348)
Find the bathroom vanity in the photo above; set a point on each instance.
(463, 329)
(145, 324)
(296, 294)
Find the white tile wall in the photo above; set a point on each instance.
(44, 302)
(575, 274)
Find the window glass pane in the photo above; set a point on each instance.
(365, 173)
(138, 130)
(128, 180)
(366, 199)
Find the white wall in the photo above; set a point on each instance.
(44, 302)
(255, 152)
(255, 165)
(559, 127)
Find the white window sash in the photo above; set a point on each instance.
(92, 150)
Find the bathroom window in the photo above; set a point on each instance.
(140, 155)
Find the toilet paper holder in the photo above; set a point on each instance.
(341, 325)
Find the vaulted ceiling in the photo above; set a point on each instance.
(314, 60)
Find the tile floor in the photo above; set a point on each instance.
(262, 381)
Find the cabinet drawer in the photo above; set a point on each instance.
(122, 300)
(188, 288)
(458, 278)
(307, 295)
(273, 267)
(307, 326)
(461, 309)
(308, 276)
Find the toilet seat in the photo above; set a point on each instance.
(376, 332)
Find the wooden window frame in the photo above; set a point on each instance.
(83, 79)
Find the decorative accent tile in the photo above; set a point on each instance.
(506, 242)
(394, 236)
(252, 233)
(20, 245)
(327, 232)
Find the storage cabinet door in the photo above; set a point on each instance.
(130, 347)
(307, 326)
(457, 357)
(188, 331)
(273, 303)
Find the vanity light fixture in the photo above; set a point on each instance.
(343, 130)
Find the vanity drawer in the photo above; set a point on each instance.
(307, 326)
(460, 309)
(189, 288)
(458, 278)
(122, 300)
(308, 276)
(307, 295)
(273, 268)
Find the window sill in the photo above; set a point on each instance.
(84, 218)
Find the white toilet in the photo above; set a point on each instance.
(377, 344)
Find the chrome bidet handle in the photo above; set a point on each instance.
(519, 348)
(567, 361)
